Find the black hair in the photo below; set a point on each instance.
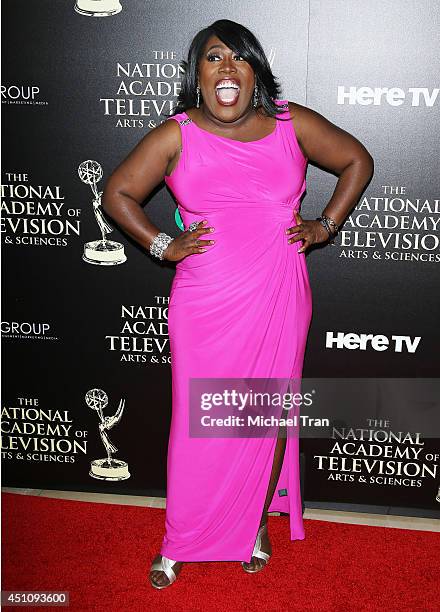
(243, 42)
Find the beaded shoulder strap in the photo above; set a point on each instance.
(184, 122)
(283, 107)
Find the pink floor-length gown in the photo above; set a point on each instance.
(240, 309)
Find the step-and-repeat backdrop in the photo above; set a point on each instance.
(86, 363)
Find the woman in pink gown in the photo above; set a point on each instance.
(242, 310)
(240, 307)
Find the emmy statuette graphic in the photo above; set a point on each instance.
(108, 468)
(98, 8)
(99, 252)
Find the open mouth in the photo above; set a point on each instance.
(227, 91)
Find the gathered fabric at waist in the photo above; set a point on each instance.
(245, 237)
(226, 212)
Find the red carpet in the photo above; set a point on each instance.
(101, 554)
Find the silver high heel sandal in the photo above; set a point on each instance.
(164, 565)
(257, 552)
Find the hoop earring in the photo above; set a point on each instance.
(255, 98)
(198, 97)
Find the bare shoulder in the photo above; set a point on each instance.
(303, 117)
(300, 116)
(167, 137)
(323, 141)
(147, 163)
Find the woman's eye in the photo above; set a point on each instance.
(209, 57)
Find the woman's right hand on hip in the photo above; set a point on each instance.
(188, 243)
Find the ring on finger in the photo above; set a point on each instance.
(192, 226)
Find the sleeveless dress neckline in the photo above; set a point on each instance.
(273, 133)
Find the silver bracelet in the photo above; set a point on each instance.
(326, 223)
(159, 244)
(331, 223)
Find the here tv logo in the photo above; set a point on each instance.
(376, 342)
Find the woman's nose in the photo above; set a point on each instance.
(228, 63)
